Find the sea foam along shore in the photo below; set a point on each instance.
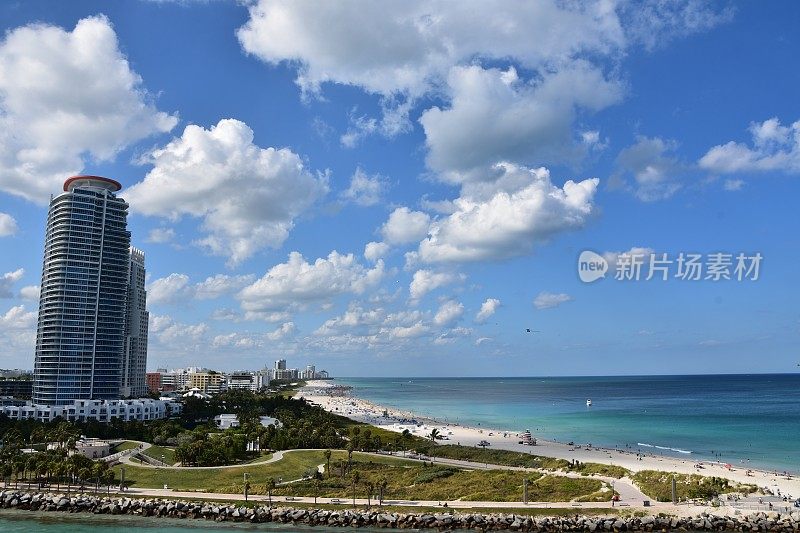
(379, 518)
(343, 402)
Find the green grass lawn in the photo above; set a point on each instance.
(125, 445)
(157, 451)
(293, 466)
(527, 460)
(262, 456)
(405, 480)
(418, 482)
(658, 485)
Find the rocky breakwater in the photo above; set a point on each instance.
(167, 508)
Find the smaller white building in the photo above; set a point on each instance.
(93, 448)
(267, 421)
(229, 420)
(226, 421)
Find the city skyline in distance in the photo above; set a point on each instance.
(293, 203)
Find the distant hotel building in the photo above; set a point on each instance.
(91, 340)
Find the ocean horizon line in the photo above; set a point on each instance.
(726, 374)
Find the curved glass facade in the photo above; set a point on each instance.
(80, 339)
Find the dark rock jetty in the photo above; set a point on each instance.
(221, 512)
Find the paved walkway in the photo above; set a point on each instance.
(455, 504)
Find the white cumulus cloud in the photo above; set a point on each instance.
(653, 169)
(365, 190)
(284, 330)
(494, 116)
(7, 282)
(448, 312)
(170, 289)
(247, 196)
(17, 318)
(488, 308)
(409, 48)
(774, 148)
(509, 224)
(161, 235)
(298, 282)
(375, 250)
(67, 97)
(30, 292)
(176, 287)
(171, 333)
(424, 281)
(548, 300)
(8, 225)
(405, 226)
(236, 340)
(637, 252)
(18, 332)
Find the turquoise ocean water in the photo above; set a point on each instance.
(40, 522)
(736, 418)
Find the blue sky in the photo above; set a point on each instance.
(405, 188)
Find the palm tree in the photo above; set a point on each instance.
(382, 484)
(19, 467)
(84, 474)
(30, 466)
(270, 487)
(59, 469)
(109, 480)
(37, 435)
(370, 490)
(355, 480)
(406, 436)
(350, 449)
(42, 468)
(6, 468)
(98, 471)
(327, 454)
(433, 436)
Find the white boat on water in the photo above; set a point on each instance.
(589, 402)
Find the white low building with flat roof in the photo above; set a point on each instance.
(141, 409)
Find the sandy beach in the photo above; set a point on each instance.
(342, 402)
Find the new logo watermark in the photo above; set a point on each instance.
(685, 266)
(591, 266)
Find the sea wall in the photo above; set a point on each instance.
(38, 501)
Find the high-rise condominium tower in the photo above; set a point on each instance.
(83, 332)
(134, 362)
